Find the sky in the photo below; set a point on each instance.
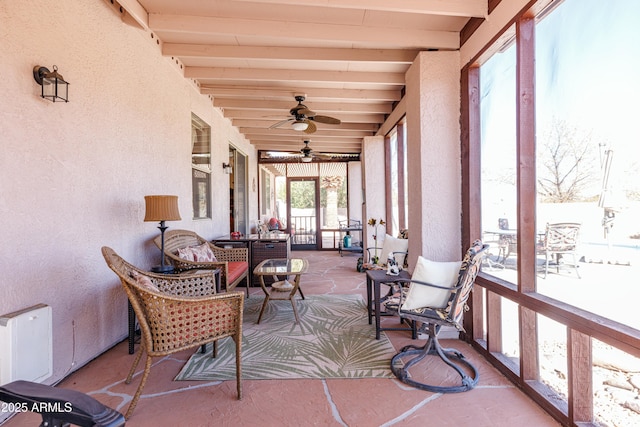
(587, 67)
(587, 74)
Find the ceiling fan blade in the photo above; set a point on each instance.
(280, 123)
(311, 128)
(325, 119)
(305, 111)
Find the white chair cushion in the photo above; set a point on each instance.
(435, 273)
(393, 244)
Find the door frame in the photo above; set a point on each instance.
(317, 234)
(238, 194)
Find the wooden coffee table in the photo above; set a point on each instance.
(286, 272)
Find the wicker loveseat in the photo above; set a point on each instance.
(232, 262)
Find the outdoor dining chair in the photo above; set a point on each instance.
(560, 239)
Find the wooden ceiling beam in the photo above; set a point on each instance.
(287, 131)
(468, 8)
(316, 146)
(314, 32)
(303, 137)
(343, 127)
(270, 115)
(318, 54)
(318, 107)
(316, 94)
(269, 74)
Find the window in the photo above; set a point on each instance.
(498, 168)
(201, 167)
(267, 199)
(396, 153)
(556, 128)
(587, 157)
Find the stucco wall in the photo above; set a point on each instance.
(73, 176)
(373, 165)
(433, 156)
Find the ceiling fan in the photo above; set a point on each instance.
(308, 154)
(303, 118)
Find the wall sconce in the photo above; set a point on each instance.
(54, 87)
(227, 168)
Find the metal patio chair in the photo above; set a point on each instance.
(432, 319)
(560, 239)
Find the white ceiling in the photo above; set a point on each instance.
(347, 56)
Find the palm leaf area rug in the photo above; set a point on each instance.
(332, 340)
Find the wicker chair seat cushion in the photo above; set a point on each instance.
(392, 305)
(199, 253)
(236, 269)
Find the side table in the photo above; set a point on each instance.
(281, 267)
(374, 279)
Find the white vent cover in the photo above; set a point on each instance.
(26, 351)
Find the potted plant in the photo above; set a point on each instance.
(375, 224)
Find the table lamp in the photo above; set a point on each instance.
(161, 208)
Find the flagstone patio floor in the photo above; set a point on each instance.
(332, 402)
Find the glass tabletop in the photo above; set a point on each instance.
(282, 266)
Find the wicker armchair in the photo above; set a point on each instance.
(184, 312)
(432, 319)
(232, 262)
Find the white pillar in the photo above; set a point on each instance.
(433, 156)
(373, 168)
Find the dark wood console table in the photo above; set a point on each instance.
(260, 247)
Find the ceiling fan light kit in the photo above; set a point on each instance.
(299, 125)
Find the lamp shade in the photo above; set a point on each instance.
(161, 208)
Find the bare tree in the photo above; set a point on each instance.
(567, 164)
